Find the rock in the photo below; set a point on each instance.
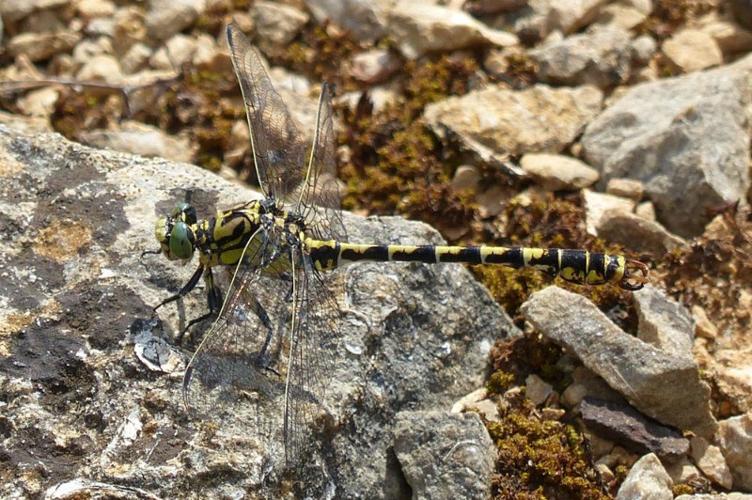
(87, 49)
(208, 56)
(735, 442)
(90, 9)
(141, 139)
(558, 172)
(538, 119)
(42, 46)
(626, 15)
(670, 134)
(658, 384)
(374, 66)
(277, 24)
(622, 424)
(703, 326)
(490, 201)
(692, 50)
(709, 459)
(647, 479)
(101, 68)
(12, 11)
(136, 58)
(71, 379)
(364, 19)
(715, 496)
(601, 57)
(618, 456)
(177, 51)
(537, 390)
(598, 206)
(569, 16)
(646, 210)
(490, 7)
(444, 455)
(730, 37)
(637, 233)
(40, 102)
(129, 28)
(663, 322)
(466, 177)
(643, 49)
(166, 18)
(682, 471)
(469, 399)
(100, 26)
(626, 188)
(733, 376)
(419, 28)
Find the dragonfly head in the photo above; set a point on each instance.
(175, 232)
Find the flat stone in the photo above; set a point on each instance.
(42, 46)
(558, 172)
(626, 188)
(637, 233)
(374, 66)
(537, 390)
(709, 459)
(735, 442)
(667, 134)
(692, 50)
(646, 479)
(141, 139)
(660, 385)
(600, 57)
(622, 424)
(419, 28)
(364, 19)
(599, 207)
(663, 322)
(444, 455)
(539, 119)
(277, 24)
(102, 67)
(166, 18)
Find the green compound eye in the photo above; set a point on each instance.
(184, 212)
(181, 244)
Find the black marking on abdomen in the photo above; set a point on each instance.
(576, 259)
(469, 255)
(512, 257)
(379, 253)
(419, 253)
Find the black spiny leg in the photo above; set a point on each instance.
(185, 290)
(213, 299)
(263, 359)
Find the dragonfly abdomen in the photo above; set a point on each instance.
(579, 266)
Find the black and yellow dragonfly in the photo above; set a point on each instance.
(279, 307)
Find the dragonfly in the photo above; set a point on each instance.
(279, 311)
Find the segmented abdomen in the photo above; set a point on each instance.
(578, 266)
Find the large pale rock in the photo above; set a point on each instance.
(539, 119)
(663, 322)
(140, 139)
(686, 138)
(637, 233)
(659, 384)
(418, 28)
(85, 368)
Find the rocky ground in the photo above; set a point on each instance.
(621, 126)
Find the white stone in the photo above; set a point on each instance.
(646, 480)
(692, 50)
(709, 459)
(558, 172)
(596, 205)
(735, 441)
(277, 24)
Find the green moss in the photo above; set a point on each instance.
(541, 458)
(499, 382)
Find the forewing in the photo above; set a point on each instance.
(278, 147)
(319, 198)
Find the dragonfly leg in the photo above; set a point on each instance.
(263, 358)
(185, 290)
(213, 299)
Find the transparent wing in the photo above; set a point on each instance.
(319, 198)
(313, 339)
(278, 147)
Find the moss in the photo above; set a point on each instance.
(519, 357)
(541, 458)
(668, 16)
(499, 382)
